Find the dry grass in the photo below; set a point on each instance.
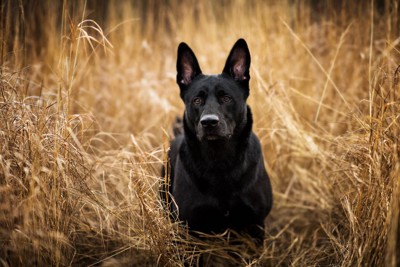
(88, 94)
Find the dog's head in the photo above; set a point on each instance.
(215, 104)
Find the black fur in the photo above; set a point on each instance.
(217, 174)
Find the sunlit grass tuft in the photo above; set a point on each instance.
(88, 98)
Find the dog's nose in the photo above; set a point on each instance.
(209, 120)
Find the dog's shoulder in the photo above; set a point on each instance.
(175, 145)
(254, 142)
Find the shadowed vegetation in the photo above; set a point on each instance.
(88, 97)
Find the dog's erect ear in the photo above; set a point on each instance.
(238, 62)
(187, 66)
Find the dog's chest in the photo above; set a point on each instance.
(232, 212)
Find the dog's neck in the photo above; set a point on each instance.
(222, 150)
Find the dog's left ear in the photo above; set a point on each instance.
(238, 62)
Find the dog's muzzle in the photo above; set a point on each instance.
(210, 128)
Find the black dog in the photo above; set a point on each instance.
(217, 174)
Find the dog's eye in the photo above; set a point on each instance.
(197, 101)
(226, 98)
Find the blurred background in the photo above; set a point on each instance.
(88, 98)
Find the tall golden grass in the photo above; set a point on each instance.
(88, 95)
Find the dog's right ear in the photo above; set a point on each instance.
(187, 66)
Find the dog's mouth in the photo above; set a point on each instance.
(213, 137)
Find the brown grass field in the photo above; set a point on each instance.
(88, 97)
